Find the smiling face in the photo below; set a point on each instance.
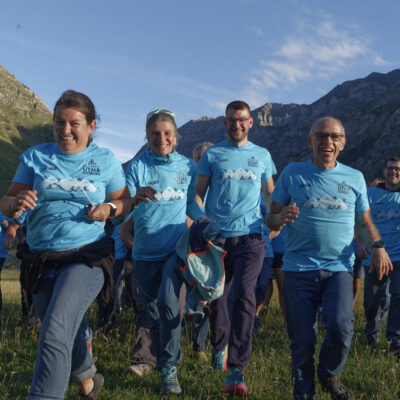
(71, 130)
(162, 137)
(326, 148)
(392, 175)
(238, 124)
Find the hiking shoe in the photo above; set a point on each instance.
(170, 384)
(98, 381)
(234, 383)
(257, 327)
(139, 369)
(218, 359)
(336, 389)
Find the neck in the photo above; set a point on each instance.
(323, 165)
(238, 144)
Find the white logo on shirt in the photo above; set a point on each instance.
(170, 194)
(325, 202)
(239, 174)
(69, 184)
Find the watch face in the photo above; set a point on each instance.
(379, 244)
(113, 209)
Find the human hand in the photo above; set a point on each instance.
(143, 195)
(99, 212)
(23, 200)
(380, 262)
(288, 214)
(362, 251)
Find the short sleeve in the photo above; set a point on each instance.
(270, 168)
(362, 203)
(117, 177)
(24, 173)
(281, 193)
(204, 164)
(131, 177)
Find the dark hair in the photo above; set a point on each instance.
(237, 105)
(81, 103)
(393, 159)
(163, 116)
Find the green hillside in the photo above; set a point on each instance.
(24, 120)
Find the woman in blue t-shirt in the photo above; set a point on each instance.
(67, 260)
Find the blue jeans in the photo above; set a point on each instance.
(63, 298)
(304, 293)
(160, 285)
(393, 324)
(376, 304)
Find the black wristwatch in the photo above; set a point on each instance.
(113, 210)
(378, 244)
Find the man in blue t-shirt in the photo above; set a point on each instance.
(234, 171)
(384, 200)
(320, 201)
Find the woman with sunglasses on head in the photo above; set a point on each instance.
(68, 259)
(163, 184)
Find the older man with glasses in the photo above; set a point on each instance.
(321, 201)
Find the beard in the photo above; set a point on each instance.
(235, 138)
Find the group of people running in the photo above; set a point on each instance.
(201, 224)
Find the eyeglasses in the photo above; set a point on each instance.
(321, 136)
(395, 169)
(240, 120)
(160, 111)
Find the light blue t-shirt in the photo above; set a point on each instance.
(321, 236)
(58, 221)
(385, 211)
(235, 172)
(159, 224)
(3, 251)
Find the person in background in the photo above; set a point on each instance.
(234, 172)
(4, 223)
(163, 184)
(321, 201)
(383, 294)
(67, 259)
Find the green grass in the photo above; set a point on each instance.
(372, 374)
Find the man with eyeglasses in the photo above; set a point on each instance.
(384, 200)
(321, 201)
(234, 171)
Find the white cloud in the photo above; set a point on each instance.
(320, 51)
(256, 30)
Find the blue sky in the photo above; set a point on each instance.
(192, 57)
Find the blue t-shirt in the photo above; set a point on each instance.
(58, 221)
(120, 249)
(385, 211)
(159, 224)
(321, 236)
(235, 172)
(278, 242)
(3, 251)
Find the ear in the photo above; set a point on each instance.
(251, 122)
(343, 144)
(92, 126)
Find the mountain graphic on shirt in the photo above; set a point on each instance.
(325, 202)
(239, 174)
(68, 184)
(390, 214)
(170, 194)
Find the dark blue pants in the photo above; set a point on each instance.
(304, 293)
(243, 262)
(393, 324)
(376, 304)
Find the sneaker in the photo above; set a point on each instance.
(234, 383)
(218, 359)
(139, 369)
(170, 384)
(98, 381)
(336, 389)
(257, 327)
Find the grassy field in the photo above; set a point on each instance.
(372, 374)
